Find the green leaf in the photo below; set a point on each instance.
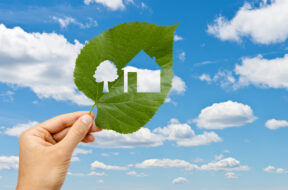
(116, 110)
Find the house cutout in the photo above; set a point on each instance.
(148, 74)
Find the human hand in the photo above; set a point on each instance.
(45, 150)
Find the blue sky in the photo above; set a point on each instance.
(223, 125)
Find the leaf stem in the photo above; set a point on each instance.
(92, 108)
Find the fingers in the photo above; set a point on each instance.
(61, 122)
(60, 135)
(77, 133)
(88, 138)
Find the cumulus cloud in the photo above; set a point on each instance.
(7, 96)
(99, 165)
(78, 151)
(184, 135)
(134, 173)
(110, 4)
(9, 162)
(205, 77)
(273, 169)
(225, 114)
(274, 124)
(111, 139)
(76, 174)
(231, 175)
(225, 78)
(226, 164)
(166, 163)
(251, 71)
(179, 180)
(265, 24)
(182, 56)
(42, 62)
(19, 128)
(75, 159)
(178, 38)
(96, 174)
(178, 85)
(66, 21)
(93, 173)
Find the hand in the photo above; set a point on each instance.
(46, 150)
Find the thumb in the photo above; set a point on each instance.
(77, 132)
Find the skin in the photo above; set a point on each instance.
(45, 150)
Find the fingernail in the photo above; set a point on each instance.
(94, 128)
(87, 120)
(90, 138)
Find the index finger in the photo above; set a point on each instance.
(61, 122)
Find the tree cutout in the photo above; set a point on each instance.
(106, 72)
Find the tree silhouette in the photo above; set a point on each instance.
(106, 72)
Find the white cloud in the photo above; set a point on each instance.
(32, 60)
(78, 151)
(269, 169)
(251, 72)
(184, 135)
(96, 174)
(9, 162)
(274, 124)
(178, 85)
(273, 169)
(182, 56)
(99, 165)
(75, 159)
(111, 139)
(111, 4)
(84, 174)
(179, 180)
(66, 21)
(219, 157)
(100, 181)
(231, 175)
(7, 96)
(134, 173)
(76, 174)
(225, 114)
(178, 38)
(205, 77)
(19, 128)
(226, 164)
(265, 24)
(143, 5)
(166, 163)
(198, 160)
(105, 154)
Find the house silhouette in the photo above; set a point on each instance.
(148, 74)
